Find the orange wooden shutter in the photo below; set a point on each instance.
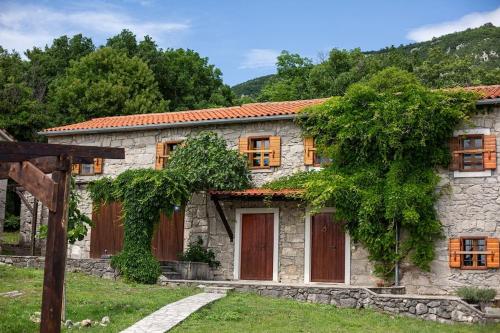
(97, 165)
(493, 246)
(275, 147)
(243, 145)
(490, 153)
(160, 155)
(455, 158)
(75, 169)
(453, 249)
(309, 151)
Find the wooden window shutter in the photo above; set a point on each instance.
(309, 151)
(275, 147)
(75, 169)
(97, 165)
(490, 152)
(160, 156)
(493, 259)
(455, 158)
(453, 252)
(243, 145)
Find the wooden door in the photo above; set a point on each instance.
(327, 249)
(106, 236)
(168, 241)
(257, 242)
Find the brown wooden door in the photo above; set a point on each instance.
(327, 249)
(168, 240)
(106, 236)
(257, 241)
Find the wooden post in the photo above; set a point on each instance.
(55, 256)
(34, 218)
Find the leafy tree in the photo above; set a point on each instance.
(105, 83)
(184, 78)
(46, 65)
(20, 114)
(386, 137)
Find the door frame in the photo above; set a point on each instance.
(307, 250)
(237, 238)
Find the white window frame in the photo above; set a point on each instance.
(307, 250)
(237, 239)
(472, 174)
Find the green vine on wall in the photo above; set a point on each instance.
(386, 137)
(203, 162)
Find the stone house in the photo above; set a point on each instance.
(267, 235)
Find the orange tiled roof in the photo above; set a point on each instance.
(252, 110)
(258, 192)
(487, 92)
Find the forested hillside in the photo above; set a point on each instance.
(73, 80)
(469, 57)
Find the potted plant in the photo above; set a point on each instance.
(479, 297)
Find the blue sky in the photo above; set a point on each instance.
(243, 38)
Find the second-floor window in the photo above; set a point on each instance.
(472, 157)
(163, 152)
(88, 169)
(262, 152)
(473, 153)
(259, 155)
(311, 155)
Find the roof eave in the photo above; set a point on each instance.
(167, 125)
(488, 101)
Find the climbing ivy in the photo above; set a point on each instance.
(144, 193)
(387, 137)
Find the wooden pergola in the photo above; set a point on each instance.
(28, 164)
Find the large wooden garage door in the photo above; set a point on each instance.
(257, 238)
(327, 249)
(107, 233)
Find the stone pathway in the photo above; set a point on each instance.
(172, 314)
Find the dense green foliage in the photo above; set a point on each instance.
(104, 83)
(70, 81)
(203, 162)
(251, 88)
(196, 252)
(460, 59)
(476, 295)
(208, 165)
(144, 193)
(386, 137)
(11, 223)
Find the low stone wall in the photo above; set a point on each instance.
(437, 308)
(97, 267)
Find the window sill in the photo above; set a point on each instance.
(472, 174)
(266, 170)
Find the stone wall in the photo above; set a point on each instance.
(3, 195)
(435, 308)
(468, 207)
(96, 267)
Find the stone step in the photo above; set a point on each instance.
(216, 290)
(172, 275)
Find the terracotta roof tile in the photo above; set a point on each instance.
(258, 192)
(253, 110)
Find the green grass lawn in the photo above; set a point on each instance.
(244, 313)
(87, 298)
(10, 237)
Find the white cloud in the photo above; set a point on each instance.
(472, 20)
(260, 58)
(22, 27)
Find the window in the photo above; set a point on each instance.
(472, 157)
(311, 155)
(473, 253)
(258, 156)
(163, 151)
(88, 169)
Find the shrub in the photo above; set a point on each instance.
(12, 223)
(476, 295)
(197, 253)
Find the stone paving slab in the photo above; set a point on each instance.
(172, 314)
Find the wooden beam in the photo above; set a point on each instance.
(22, 151)
(47, 164)
(36, 182)
(223, 218)
(55, 256)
